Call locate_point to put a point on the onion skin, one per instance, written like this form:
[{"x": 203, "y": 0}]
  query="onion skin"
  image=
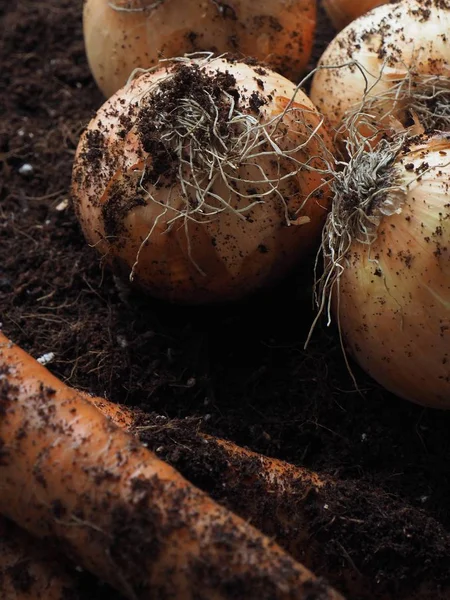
[
  {"x": 343, "y": 12},
  {"x": 279, "y": 32},
  {"x": 412, "y": 34},
  {"x": 394, "y": 314},
  {"x": 215, "y": 260}
]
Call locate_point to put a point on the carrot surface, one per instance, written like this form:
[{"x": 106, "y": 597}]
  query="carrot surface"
[
  {"x": 26, "y": 573},
  {"x": 281, "y": 500},
  {"x": 315, "y": 517},
  {"x": 70, "y": 474},
  {"x": 237, "y": 476}
]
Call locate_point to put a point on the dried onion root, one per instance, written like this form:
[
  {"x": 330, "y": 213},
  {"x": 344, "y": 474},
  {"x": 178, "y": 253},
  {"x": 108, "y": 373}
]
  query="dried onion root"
[
  {"x": 121, "y": 35},
  {"x": 387, "y": 71},
  {"x": 386, "y": 246},
  {"x": 204, "y": 180}
]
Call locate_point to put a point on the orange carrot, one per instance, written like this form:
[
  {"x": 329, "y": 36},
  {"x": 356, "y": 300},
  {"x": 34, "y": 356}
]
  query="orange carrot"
[
  {"x": 70, "y": 474},
  {"x": 318, "y": 519},
  {"x": 327, "y": 524},
  {"x": 27, "y": 574},
  {"x": 277, "y": 498}
]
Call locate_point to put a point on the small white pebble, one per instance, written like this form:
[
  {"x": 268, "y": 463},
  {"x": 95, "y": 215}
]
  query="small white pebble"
[
  {"x": 122, "y": 341},
  {"x": 325, "y": 506},
  {"x": 26, "y": 169},
  {"x": 21, "y": 133},
  {"x": 62, "y": 205},
  {"x": 78, "y": 85},
  {"x": 159, "y": 448},
  {"x": 364, "y": 437},
  {"x": 46, "y": 358}
]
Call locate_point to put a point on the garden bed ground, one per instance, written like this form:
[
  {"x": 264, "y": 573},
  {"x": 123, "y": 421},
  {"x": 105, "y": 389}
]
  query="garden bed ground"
[{"x": 235, "y": 373}]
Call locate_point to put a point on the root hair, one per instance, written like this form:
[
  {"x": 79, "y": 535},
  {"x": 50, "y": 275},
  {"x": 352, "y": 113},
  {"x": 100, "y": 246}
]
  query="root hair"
[
  {"x": 366, "y": 188},
  {"x": 414, "y": 102},
  {"x": 209, "y": 150}
]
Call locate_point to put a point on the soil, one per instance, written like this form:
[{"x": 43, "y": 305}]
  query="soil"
[{"x": 239, "y": 371}]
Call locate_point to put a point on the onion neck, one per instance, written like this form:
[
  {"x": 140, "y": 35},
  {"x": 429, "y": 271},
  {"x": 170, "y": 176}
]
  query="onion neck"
[{"x": 366, "y": 187}]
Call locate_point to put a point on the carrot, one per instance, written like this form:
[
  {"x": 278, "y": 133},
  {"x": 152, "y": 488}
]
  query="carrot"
[
  {"x": 278, "y": 497},
  {"x": 27, "y": 574},
  {"x": 68, "y": 473},
  {"x": 327, "y": 524},
  {"x": 318, "y": 519},
  {"x": 29, "y": 571}
]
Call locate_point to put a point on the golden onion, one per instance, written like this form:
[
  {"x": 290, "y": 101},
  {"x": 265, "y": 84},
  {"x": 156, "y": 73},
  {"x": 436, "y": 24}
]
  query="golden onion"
[
  {"x": 387, "y": 249},
  {"x": 122, "y": 35},
  {"x": 343, "y": 12},
  {"x": 203, "y": 180},
  {"x": 388, "y": 70}
]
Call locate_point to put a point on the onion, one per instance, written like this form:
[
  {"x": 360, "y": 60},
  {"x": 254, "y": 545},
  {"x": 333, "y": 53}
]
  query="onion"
[
  {"x": 343, "y": 12},
  {"x": 395, "y": 75},
  {"x": 203, "y": 180},
  {"x": 121, "y": 35},
  {"x": 387, "y": 252}
]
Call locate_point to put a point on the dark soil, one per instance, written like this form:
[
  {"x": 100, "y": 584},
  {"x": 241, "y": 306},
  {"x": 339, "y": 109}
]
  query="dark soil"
[{"x": 238, "y": 371}]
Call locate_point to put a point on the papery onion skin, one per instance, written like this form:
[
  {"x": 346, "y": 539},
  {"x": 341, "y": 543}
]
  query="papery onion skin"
[
  {"x": 227, "y": 257},
  {"x": 389, "y": 42},
  {"x": 343, "y": 12},
  {"x": 279, "y": 32},
  {"x": 393, "y": 305}
]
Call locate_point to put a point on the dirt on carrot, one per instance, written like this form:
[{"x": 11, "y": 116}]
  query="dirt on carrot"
[
  {"x": 73, "y": 477},
  {"x": 326, "y": 523},
  {"x": 27, "y": 572},
  {"x": 240, "y": 370}
]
